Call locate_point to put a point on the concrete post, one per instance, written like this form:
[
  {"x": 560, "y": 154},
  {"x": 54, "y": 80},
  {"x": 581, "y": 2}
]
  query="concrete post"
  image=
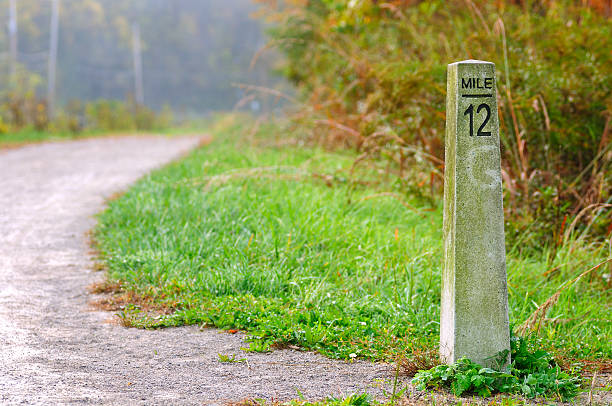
[{"x": 474, "y": 308}]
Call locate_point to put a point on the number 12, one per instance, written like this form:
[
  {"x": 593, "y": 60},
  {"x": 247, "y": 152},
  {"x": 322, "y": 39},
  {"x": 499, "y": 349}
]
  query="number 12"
[{"x": 470, "y": 111}]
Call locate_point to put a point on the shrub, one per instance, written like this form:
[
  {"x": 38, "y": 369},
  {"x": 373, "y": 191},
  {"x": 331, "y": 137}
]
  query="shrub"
[
  {"x": 373, "y": 78},
  {"x": 22, "y": 107}
]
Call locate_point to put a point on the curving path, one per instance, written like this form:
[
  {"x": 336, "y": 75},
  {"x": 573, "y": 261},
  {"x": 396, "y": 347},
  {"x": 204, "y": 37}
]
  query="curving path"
[{"x": 56, "y": 349}]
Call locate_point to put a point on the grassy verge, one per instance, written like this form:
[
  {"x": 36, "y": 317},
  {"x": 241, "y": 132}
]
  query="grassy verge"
[
  {"x": 25, "y": 137},
  {"x": 19, "y": 138},
  {"x": 282, "y": 243}
]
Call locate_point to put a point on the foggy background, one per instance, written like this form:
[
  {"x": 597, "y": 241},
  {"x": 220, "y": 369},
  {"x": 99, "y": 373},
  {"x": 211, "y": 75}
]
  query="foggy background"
[{"x": 191, "y": 51}]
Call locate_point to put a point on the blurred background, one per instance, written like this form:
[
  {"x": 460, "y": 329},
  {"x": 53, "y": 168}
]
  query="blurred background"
[
  {"x": 364, "y": 75},
  {"x": 60, "y": 58}
]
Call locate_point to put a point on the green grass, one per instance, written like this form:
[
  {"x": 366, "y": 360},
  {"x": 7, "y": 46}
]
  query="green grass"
[
  {"x": 256, "y": 238},
  {"x": 358, "y": 399},
  {"x": 30, "y": 136},
  {"x": 363, "y": 399}
]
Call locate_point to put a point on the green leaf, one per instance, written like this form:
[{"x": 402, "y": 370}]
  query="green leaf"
[
  {"x": 484, "y": 391},
  {"x": 477, "y": 380},
  {"x": 461, "y": 385}
]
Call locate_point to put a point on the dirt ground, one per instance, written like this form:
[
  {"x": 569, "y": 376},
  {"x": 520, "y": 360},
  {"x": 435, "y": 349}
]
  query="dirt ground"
[{"x": 55, "y": 348}]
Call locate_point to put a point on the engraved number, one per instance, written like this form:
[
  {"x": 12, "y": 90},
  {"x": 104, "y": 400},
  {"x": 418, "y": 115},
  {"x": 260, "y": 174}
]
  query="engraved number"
[{"x": 470, "y": 111}]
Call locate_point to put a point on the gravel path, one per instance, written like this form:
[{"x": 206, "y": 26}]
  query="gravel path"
[{"x": 56, "y": 349}]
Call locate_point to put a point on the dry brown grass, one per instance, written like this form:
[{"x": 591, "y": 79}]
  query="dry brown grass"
[
  {"x": 115, "y": 297},
  {"x": 420, "y": 359}
]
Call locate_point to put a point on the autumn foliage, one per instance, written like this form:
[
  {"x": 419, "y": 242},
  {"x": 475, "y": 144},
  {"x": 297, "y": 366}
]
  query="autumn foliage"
[{"x": 372, "y": 76}]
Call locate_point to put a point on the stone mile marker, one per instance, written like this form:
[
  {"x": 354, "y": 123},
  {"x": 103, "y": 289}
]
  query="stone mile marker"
[{"x": 474, "y": 308}]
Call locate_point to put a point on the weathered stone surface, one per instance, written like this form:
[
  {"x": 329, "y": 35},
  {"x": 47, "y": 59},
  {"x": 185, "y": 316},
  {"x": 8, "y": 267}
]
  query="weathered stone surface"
[{"x": 474, "y": 313}]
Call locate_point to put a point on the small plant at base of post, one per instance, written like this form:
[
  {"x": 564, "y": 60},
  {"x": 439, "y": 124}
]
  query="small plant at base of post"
[{"x": 531, "y": 374}]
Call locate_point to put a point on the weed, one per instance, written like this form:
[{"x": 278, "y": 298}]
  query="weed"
[
  {"x": 532, "y": 373},
  {"x": 231, "y": 358},
  {"x": 256, "y": 345}
]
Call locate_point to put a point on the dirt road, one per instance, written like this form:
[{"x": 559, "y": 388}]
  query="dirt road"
[{"x": 56, "y": 349}]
